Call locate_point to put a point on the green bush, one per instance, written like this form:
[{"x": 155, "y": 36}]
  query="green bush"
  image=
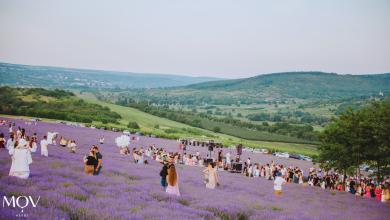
[
  {"x": 216, "y": 129},
  {"x": 133, "y": 125}
]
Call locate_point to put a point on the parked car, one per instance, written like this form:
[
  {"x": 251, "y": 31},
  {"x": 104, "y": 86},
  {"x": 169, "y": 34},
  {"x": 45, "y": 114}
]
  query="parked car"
[
  {"x": 233, "y": 147},
  {"x": 102, "y": 128},
  {"x": 308, "y": 158},
  {"x": 69, "y": 123},
  {"x": 20, "y": 118},
  {"x": 38, "y": 119},
  {"x": 264, "y": 151},
  {"x": 93, "y": 127},
  {"x": 126, "y": 132},
  {"x": 114, "y": 129},
  {"x": 76, "y": 124},
  {"x": 301, "y": 157},
  {"x": 248, "y": 149},
  {"x": 294, "y": 156},
  {"x": 285, "y": 155},
  {"x": 372, "y": 170},
  {"x": 32, "y": 119},
  {"x": 363, "y": 167},
  {"x": 153, "y": 136},
  {"x": 58, "y": 122},
  {"x": 257, "y": 151},
  {"x": 82, "y": 125}
]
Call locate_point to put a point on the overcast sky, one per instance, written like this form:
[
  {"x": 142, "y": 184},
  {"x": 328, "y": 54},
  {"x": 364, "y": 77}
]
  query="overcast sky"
[{"x": 219, "y": 38}]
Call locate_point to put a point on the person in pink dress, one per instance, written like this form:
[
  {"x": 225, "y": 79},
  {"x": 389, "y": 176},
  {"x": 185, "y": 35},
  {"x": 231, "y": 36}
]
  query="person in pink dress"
[
  {"x": 173, "y": 181},
  {"x": 368, "y": 194},
  {"x": 378, "y": 193}
]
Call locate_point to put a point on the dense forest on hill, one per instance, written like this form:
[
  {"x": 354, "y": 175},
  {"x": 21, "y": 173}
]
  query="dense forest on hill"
[
  {"x": 304, "y": 84},
  {"x": 53, "y": 104}
]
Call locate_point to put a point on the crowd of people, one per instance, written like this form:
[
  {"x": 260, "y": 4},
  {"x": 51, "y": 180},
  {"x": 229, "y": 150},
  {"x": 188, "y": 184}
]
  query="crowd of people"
[
  {"x": 281, "y": 174},
  {"x": 21, "y": 148}
]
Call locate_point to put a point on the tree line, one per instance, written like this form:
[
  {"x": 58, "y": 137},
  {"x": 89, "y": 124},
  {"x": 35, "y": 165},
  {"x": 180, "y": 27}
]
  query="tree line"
[{"x": 356, "y": 138}]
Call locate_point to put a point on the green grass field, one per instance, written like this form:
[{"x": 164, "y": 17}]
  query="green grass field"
[{"x": 147, "y": 120}]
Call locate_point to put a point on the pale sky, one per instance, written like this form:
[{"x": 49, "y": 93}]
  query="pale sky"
[{"x": 219, "y": 38}]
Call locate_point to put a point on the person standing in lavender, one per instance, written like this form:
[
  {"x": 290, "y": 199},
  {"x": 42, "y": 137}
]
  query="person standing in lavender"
[
  {"x": 164, "y": 171},
  {"x": 278, "y": 183},
  {"x": 44, "y": 146},
  {"x": 98, "y": 164}
]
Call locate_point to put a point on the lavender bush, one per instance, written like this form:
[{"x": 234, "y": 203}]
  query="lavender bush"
[{"x": 125, "y": 190}]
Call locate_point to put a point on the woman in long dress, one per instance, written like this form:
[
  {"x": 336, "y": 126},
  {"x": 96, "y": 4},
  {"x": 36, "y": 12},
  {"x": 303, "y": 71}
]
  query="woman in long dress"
[
  {"x": 300, "y": 177},
  {"x": 141, "y": 158},
  {"x": 21, "y": 158},
  {"x": 173, "y": 181},
  {"x": 11, "y": 142},
  {"x": 256, "y": 171},
  {"x": 211, "y": 176},
  {"x": 267, "y": 170}
]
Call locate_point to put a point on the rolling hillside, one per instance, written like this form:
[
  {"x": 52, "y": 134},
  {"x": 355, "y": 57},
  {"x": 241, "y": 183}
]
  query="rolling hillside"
[
  {"x": 59, "y": 77},
  {"x": 304, "y": 84}
]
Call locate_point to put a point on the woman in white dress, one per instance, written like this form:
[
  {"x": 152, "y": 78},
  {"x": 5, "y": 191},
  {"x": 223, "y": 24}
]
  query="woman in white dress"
[
  {"x": 300, "y": 179},
  {"x": 211, "y": 176},
  {"x": 21, "y": 158},
  {"x": 176, "y": 158},
  {"x": 256, "y": 171},
  {"x": 250, "y": 171},
  {"x": 10, "y": 142}
]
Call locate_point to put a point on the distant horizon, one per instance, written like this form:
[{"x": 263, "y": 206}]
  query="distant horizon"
[
  {"x": 189, "y": 76},
  {"x": 212, "y": 38}
]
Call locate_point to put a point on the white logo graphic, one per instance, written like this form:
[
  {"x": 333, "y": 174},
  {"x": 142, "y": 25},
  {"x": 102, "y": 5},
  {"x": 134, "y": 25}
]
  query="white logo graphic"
[{"x": 19, "y": 202}]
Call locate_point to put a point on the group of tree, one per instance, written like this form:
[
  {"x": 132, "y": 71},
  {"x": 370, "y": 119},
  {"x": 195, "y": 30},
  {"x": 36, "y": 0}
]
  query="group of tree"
[
  {"x": 61, "y": 108},
  {"x": 281, "y": 128},
  {"x": 356, "y": 138}
]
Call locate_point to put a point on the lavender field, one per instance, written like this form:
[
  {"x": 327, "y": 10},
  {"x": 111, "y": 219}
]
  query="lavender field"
[{"x": 125, "y": 190}]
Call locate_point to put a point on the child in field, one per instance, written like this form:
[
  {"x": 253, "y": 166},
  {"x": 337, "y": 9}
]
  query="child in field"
[
  {"x": 73, "y": 147},
  {"x": 55, "y": 140}
]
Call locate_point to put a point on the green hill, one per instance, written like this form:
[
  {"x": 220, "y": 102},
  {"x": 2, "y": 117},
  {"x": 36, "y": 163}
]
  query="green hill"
[{"x": 304, "y": 84}]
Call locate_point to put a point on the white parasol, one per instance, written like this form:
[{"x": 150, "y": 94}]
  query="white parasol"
[{"x": 123, "y": 141}]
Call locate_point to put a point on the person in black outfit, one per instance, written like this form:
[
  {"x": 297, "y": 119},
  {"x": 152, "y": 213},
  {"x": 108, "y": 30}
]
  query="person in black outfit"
[
  {"x": 90, "y": 162},
  {"x": 352, "y": 187},
  {"x": 290, "y": 176},
  {"x": 316, "y": 180},
  {"x": 328, "y": 181},
  {"x": 220, "y": 156},
  {"x": 164, "y": 172}
]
